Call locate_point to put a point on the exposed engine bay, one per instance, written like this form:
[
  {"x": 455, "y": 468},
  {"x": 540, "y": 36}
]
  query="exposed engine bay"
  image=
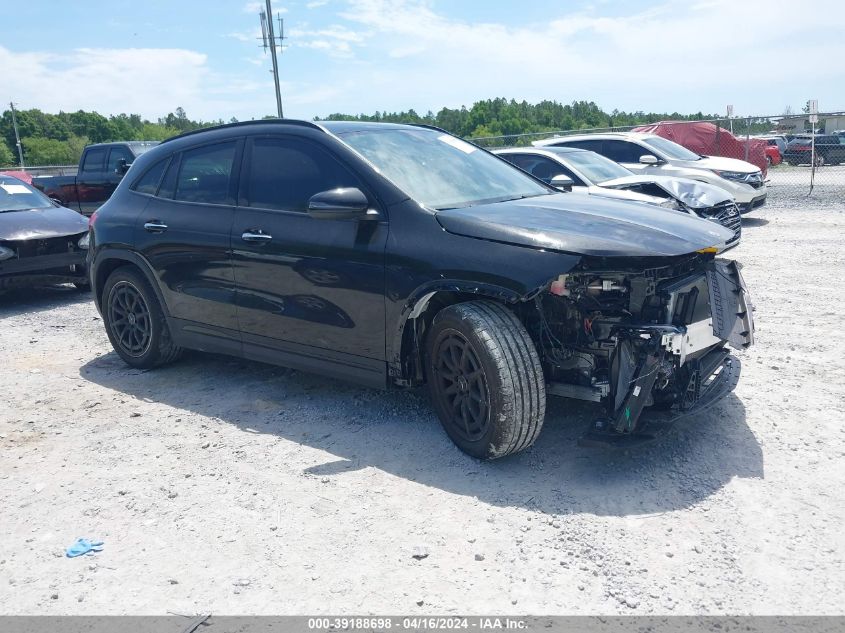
[{"x": 631, "y": 338}]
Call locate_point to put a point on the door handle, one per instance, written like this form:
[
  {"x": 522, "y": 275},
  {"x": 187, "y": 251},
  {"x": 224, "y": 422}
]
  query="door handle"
[
  {"x": 256, "y": 236},
  {"x": 155, "y": 226}
]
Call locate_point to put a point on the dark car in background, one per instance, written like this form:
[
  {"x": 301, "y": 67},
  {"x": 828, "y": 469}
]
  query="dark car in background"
[
  {"x": 40, "y": 241},
  {"x": 101, "y": 168},
  {"x": 396, "y": 255},
  {"x": 829, "y": 150}
]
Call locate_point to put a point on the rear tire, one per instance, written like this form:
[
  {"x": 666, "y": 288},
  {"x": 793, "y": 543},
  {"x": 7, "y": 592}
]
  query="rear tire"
[
  {"x": 135, "y": 322},
  {"x": 485, "y": 379}
]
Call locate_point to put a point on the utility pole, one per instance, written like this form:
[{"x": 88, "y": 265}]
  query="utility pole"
[
  {"x": 18, "y": 136},
  {"x": 269, "y": 39}
]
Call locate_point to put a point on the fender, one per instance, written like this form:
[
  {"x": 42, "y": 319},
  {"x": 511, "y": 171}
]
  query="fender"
[
  {"x": 419, "y": 300},
  {"x": 105, "y": 254}
]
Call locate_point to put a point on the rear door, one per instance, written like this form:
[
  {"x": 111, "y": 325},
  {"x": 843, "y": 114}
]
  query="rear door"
[
  {"x": 184, "y": 232},
  {"x": 306, "y": 286}
]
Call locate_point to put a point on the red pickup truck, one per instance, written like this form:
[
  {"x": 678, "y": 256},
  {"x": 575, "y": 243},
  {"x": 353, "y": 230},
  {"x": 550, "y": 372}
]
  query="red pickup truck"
[{"x": 101, "y": 168}]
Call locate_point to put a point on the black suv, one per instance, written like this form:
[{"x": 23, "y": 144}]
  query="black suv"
[{"x": 396, "y": 255}]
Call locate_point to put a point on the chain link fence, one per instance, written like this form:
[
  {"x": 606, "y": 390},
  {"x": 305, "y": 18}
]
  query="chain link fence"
[{"x": 800, "y": 158}]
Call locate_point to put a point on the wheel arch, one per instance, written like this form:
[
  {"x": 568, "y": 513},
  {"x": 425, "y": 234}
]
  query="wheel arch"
[
  {"x": 406, "y": 342},
  {"x": 108, "y": 260}
]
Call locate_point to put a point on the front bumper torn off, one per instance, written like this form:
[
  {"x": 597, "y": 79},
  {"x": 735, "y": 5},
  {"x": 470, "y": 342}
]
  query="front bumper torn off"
[{"x": 716, "y": 382}]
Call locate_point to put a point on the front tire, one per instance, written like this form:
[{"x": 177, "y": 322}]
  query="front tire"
[
  {"x": 135, "y": 322},
  {"x": 485, "y": 379}
]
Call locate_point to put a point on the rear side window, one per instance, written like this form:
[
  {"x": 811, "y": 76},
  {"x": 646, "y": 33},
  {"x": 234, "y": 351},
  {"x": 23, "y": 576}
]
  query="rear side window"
[
  {"x": 94, "y": 160},
  {"x": 204, "y": 174},
  {"x": 148, "y": 183},
  {"x": 285, "y": 172}
]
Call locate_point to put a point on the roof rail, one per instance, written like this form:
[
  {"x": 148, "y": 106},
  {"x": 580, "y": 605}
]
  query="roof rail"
[{"x": 225, "y": 126}]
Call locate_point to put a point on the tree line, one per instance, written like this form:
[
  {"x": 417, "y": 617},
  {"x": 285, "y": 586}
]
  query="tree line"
[
  {"x": 503, "y": 117},
  {"x": 58, "y": 139}
]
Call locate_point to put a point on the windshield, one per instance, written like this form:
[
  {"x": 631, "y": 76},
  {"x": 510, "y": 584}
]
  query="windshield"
[
  {"x": 671, "y": 149},
  {"x": 439, "y": 170},
  {"x": 595, "y": 167},
  {"x": 16, "y": 195}
]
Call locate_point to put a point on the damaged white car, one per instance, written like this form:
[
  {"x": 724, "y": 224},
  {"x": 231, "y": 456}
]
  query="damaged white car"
[{"x": 583, "y": 171}]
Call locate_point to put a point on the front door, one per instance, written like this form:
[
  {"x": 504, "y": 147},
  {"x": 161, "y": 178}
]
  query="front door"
[
  {"x": 304, "y": 285},
  {"x": 184, "y": 233}
]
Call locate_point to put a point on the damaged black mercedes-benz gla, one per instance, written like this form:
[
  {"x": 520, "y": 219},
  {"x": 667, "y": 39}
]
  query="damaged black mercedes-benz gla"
[{"x": 396, "y": 255}]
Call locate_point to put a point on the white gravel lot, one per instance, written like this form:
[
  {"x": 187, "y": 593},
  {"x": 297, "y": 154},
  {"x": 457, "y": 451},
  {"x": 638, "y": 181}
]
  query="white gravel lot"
[{"x": 232, "y": 487}]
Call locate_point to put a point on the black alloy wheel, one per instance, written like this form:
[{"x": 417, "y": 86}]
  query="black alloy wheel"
[
  {"x": 485, "y": 379},
  {"x": 135, "y": 322},
  {"x": 462, "y": 388},
  {"x": 129, "y": 319}
]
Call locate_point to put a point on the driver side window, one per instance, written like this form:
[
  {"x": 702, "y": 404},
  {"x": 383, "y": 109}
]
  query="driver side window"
[
  {"x": 541, "y": 167},
  {"x": 623, "y": 151},
  {"x": 284, "y": 173}
]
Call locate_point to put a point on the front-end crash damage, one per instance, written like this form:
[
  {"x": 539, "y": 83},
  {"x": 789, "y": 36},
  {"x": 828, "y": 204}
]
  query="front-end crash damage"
[{"x": 631, "y": 335}]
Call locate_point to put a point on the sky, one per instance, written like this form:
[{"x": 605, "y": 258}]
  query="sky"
[{"x": 360, "y": 56}]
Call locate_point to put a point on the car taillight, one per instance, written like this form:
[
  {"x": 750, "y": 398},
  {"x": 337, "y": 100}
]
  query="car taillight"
[{"x": 91, "y": 220}]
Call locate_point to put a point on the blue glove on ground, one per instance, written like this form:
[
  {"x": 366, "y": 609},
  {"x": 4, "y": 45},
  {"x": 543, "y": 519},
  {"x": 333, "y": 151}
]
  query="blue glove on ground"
[{"x": 83, "y": 546}]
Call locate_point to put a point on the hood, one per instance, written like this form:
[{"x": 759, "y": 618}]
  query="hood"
[
  {"x": 721, "y": 163},
  {"x": 693, "y": 193},
  {"x": 41, "y": 223},
  {"x": 586, "y": 225}
]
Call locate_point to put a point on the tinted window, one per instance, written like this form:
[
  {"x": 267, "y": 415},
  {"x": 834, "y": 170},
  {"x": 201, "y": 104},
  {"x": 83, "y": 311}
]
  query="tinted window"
[
  {"x": 593, "y": 146},
  {"x": 540, "y": 167},
  {"x": 623, "y": 152},
  {"x": 204, "y": 174},
  {"x": 116, "y": 155},
  {"x": 148, "y": 183},
  {"x": 94, "y": 160},
  {"x": 284, "y": 173}
]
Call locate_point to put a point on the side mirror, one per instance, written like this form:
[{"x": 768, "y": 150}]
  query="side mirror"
[
  {"x": 123, "y": 166},
  {"x": 562, "y": 182},
  {"x": 57, "y": 202},
  {"x": 338, "y": 204},
  {"x": 648, "y": 159}
]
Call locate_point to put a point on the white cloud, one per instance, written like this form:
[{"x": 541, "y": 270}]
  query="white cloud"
[
  {"x": 336, "y": 40},
  {"x": 129, "y": 80},
  {"x": 665, "y": 57},
  {"x": 316, "y": 4}
]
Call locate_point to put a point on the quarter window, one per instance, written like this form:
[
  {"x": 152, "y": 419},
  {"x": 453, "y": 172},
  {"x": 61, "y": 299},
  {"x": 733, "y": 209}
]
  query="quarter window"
[
  {"x": 94, "y": 160},
  {"x": 204, "y": 174},
  {"x": 284, "y": 173}
]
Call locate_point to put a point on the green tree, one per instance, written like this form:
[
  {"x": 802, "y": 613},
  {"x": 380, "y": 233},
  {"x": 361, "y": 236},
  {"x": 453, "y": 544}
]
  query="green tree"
[
  {"x": 7, "y": 156},
  {"x": 47, "y": 151}
]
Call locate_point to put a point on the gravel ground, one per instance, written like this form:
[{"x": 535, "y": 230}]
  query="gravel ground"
[{"x": 233, "y": 487}]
